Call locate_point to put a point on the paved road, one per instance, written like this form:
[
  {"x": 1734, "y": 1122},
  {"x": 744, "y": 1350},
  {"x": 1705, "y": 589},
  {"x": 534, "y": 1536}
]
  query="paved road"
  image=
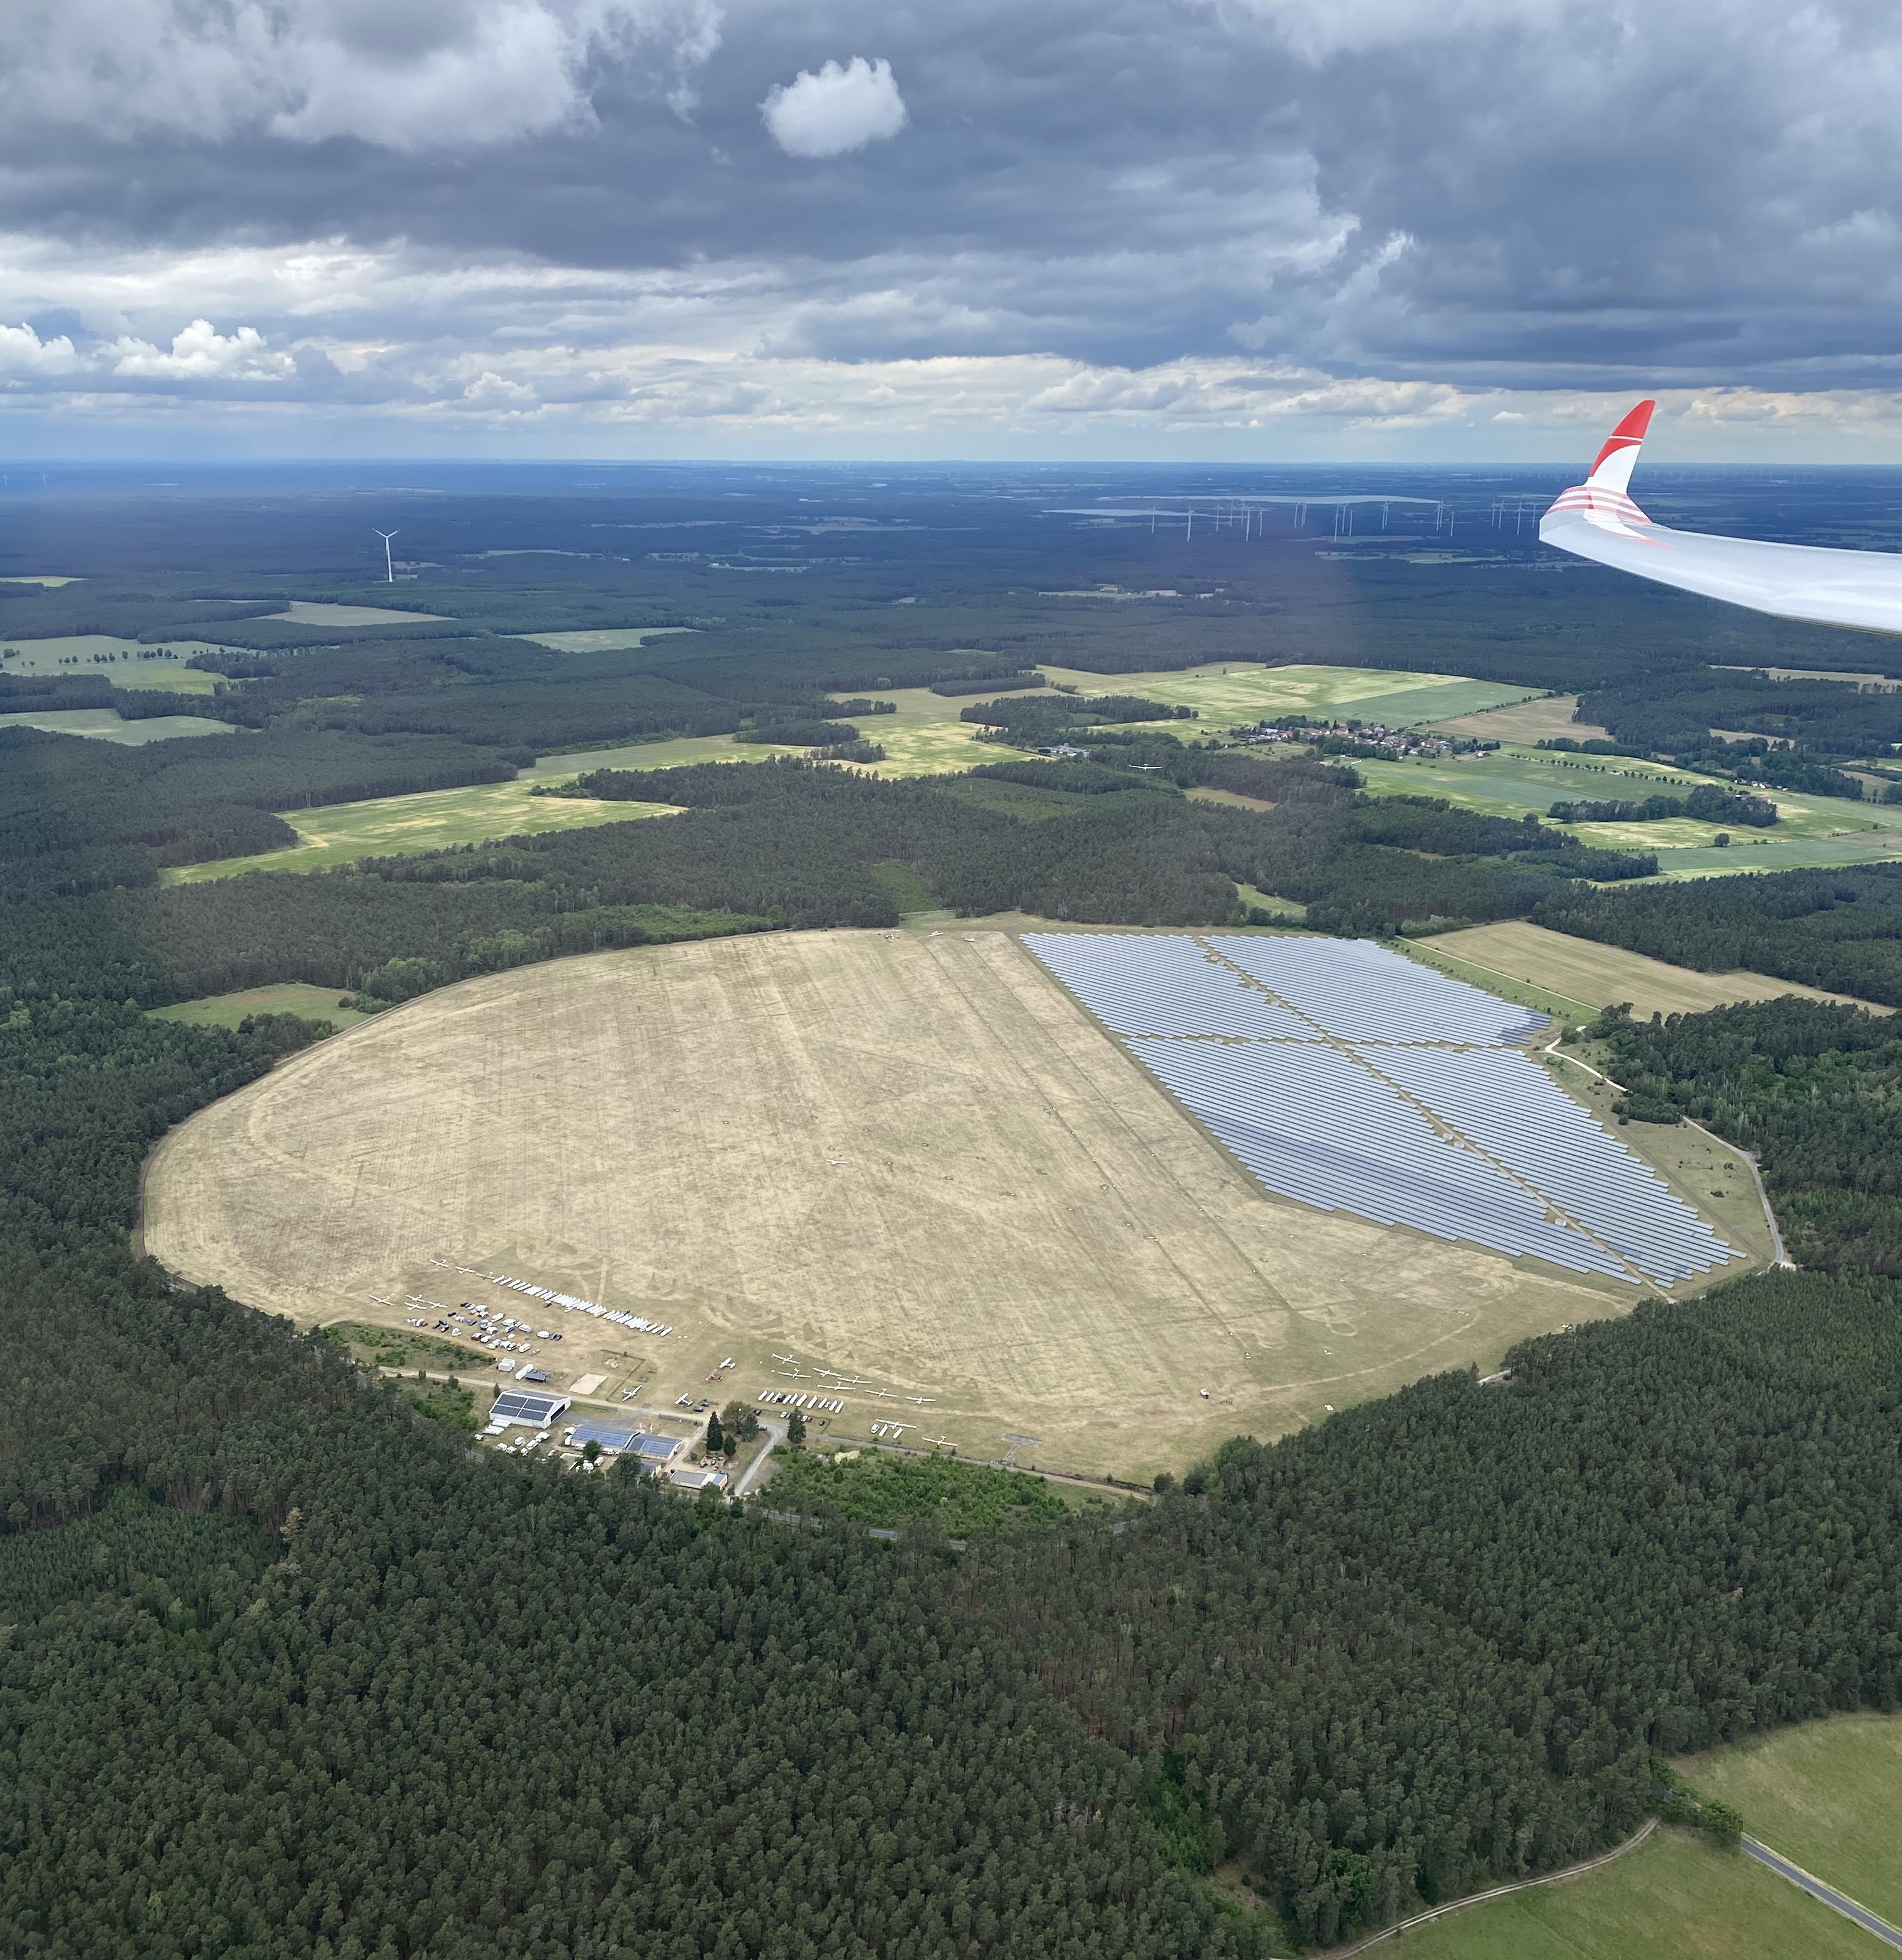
[{"x": 1831, "y": 1897}]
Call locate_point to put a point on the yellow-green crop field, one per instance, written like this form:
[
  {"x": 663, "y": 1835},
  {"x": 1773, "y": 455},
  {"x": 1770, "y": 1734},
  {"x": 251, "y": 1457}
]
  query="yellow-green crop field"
[
  {"x": 430, "y": 820},
  {"x": 1580, "y": 975},
  {"x": 1226, "y": 693}
]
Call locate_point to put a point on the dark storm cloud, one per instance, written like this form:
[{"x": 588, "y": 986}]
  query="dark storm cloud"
[{"x": 1491, "y": 193}]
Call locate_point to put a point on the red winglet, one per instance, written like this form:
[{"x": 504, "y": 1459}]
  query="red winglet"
[{"x": 1626, "y": 435}]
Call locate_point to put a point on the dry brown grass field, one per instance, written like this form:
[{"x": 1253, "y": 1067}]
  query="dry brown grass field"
[
  {"x": 1548, "y": 719},
  {"x": 1593, "y": 975},
  {"x": 908, "y": 1157}
]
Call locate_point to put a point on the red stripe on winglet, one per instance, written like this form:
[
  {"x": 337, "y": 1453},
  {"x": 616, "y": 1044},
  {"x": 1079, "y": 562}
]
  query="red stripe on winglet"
[{"x": 1631, "y": 430}]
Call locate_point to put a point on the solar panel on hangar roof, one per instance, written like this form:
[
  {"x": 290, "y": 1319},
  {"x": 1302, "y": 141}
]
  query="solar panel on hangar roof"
[
  {"x": 514, "y": 1405},
  {"x": 607, "y": 1434}
]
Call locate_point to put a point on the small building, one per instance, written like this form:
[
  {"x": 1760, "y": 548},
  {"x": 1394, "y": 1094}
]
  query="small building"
[
  {"x": 525, "y": 1408},
  {"x": 687, "y": 1478}
]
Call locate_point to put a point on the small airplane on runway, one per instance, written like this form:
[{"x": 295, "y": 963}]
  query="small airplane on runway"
[{"x": 1597, "y": 519}]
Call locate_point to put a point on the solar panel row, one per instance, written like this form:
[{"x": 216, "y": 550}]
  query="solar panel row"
[{"x": 1338, "y": 1085}]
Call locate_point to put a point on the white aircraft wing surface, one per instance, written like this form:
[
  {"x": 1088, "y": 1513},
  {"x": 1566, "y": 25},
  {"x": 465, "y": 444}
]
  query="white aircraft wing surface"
[{"x": 1597, "y": 519}]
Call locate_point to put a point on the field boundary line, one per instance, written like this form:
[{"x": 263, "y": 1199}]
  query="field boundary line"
[{"x": 1558, "y": 1878}]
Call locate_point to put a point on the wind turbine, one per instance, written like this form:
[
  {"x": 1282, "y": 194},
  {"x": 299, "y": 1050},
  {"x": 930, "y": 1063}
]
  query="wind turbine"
[{"x": 389, "y": 564}]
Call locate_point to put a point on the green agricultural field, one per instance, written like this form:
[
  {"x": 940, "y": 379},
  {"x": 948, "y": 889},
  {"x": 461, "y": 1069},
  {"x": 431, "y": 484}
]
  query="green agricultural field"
[
  {"x": 1675, "y": 1898},
  {"x": 1516, "y": 780},
  {"x": 1827, "y": 1795},
  {"x": 226, "y": 1010},
  {"x": 133, "y": 664},
  {"x": 105, "y": 724},
  {"x": 430, "y": 820},
  {"x": 1227, "y": 692}
]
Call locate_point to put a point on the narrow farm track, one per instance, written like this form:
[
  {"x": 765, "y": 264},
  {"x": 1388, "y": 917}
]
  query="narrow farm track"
[{"x": 1558, "y": 1878}]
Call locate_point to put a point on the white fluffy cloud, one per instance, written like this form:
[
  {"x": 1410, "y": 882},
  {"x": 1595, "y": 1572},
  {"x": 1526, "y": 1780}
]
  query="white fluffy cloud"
[
  {"x": 200, "y": 353},
  {"x": 836, "y": 110},
  {"x": 416, "y": 75},
  {"x": 23, "y": 352}
]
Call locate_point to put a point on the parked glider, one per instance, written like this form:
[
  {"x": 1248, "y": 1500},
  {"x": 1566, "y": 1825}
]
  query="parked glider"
[{"x": 1597, "y": 519}]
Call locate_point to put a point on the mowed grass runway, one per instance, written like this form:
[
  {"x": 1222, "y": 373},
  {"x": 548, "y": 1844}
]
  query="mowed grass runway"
[{"x": 907, "y": 1155}]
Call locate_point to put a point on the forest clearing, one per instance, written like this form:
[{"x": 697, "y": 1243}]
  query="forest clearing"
[{"x": 909, "y": 1156}]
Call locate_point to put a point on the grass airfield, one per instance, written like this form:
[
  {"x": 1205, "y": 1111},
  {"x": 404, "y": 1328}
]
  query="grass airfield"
[{"x": 907, "y": 1156}]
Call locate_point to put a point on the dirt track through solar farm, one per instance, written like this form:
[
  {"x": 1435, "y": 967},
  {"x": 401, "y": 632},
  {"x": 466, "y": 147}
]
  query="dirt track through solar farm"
[{"x": 907, "y": 1155}]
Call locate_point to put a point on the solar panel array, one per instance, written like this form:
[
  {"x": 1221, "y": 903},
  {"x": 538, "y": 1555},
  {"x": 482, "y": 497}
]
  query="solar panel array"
[
  {"x": 1346, "y": 1076},
  {"x": 516, "y": 1405},
  {"x": 607, "y": 1434}
]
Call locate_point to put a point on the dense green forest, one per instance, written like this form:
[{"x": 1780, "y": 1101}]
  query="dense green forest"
[
  {"x": 1813, "y": 1090},
  {"x": 1839, "y": 929}
]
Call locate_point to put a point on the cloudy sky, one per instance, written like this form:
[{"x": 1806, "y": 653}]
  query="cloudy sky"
[{"x": 1281, "y": 229}]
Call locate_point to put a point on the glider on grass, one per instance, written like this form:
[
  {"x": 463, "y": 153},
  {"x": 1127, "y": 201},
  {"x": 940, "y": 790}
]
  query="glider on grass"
[{"x": 1597, "y": 519}]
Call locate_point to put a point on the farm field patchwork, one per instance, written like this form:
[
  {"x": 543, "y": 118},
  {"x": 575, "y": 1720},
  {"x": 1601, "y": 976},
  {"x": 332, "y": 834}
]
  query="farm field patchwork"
[
  {"x": 428, "y": 820},
  {"x": 1827, "y": 1794},
  {"x": 1588, "y": 975},
  {"x": 1677, "y": 1896},
  {"x": 907, "y": 1156},
  {"x": 1514, "y": 781},
  {"x": 1225, "y": 693}
]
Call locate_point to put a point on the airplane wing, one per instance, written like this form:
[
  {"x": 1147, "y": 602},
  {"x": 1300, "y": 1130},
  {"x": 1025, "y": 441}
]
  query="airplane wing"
[{"x": 1597, "y": 519}]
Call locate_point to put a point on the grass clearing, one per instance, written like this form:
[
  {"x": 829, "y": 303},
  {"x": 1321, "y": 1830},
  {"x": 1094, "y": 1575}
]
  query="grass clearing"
[
  {"x": 106, "y": 724},
  {"x": 1676, "y": 1898},
  {"x": 327, "y": 612},
  {"x": 905, "y": 1155},
  {"x": 1588, "y": 975},
  {"x": 226, "y": 1010},
  {"x": 77, "y": 657},
  {"x": 1827, "y": 1794},
  {"x": 601, "y": 639},
  {"x": 429, "y": 820}
]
